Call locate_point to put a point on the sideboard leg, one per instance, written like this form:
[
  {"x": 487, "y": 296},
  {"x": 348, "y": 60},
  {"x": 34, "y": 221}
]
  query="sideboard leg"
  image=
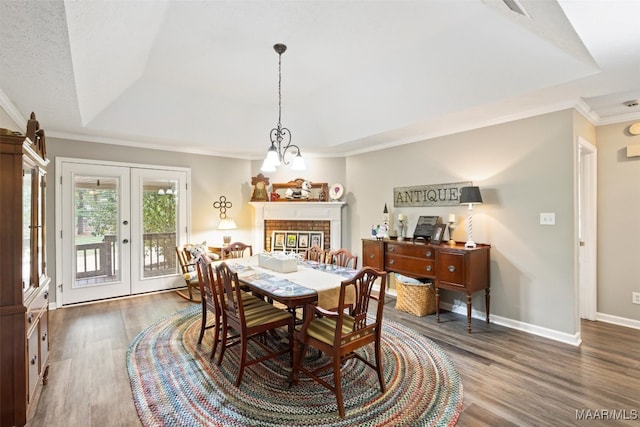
[
  {"x": 437, "y": 305},
  {"x": 487, "y": 301},
  {"x": 469, "y": 313}
]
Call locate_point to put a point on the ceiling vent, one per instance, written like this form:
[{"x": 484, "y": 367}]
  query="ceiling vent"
[{"x": 514, "y": 6}]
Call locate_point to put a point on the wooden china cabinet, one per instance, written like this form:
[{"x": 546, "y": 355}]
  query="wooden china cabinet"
[{"x": 24, "y": 285}]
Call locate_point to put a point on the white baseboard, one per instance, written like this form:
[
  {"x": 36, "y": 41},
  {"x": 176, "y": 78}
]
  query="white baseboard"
[
  {"x": 620, "y": 321},
  {"x": 516, "y": 324}
]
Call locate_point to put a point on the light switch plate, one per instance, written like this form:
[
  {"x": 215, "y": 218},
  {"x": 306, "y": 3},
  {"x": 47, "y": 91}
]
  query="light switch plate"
[{"x": 548, "y": 218}]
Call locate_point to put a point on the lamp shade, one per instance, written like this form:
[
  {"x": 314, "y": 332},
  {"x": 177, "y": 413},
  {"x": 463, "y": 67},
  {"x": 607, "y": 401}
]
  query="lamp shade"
[
  {"x": 227, "y": 224},
  {"x": 470, "y": 195}
]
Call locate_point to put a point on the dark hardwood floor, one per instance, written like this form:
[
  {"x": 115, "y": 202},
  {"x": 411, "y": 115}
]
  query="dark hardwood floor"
[{"x": 510, "y": 378}]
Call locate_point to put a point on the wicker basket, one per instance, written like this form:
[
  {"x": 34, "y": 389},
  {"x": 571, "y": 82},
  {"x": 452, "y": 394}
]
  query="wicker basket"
[{"x": 416, "y": 298}]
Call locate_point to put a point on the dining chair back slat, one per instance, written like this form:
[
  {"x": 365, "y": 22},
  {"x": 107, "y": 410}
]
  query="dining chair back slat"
[
  {"x": 338, "y": 333},
  {"x": 315, "y": 253},
  {"x": 236, "y": 250},
  {"x": 343, "y": 258},
  {"x": 249, "y": 320}
]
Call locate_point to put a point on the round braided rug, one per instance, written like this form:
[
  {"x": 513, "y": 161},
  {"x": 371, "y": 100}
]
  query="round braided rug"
[{"x": 175, "y": 384}]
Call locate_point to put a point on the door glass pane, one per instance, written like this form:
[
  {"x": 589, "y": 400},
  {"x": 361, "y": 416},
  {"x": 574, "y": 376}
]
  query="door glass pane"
[
  {"x": 96, "y": 202},
  {"x": 41, "y": 267},
  {"x": 159, "y": 225},
  {"x": 27, "y": 190}
]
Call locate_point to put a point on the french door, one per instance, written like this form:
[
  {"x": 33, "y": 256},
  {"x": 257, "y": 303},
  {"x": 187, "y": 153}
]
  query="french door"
[{"x": 118, "y": 228}]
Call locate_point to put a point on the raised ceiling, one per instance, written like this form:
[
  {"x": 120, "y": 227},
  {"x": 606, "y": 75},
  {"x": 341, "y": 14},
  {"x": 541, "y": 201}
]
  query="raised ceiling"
[{"x": 201, "y": 76}]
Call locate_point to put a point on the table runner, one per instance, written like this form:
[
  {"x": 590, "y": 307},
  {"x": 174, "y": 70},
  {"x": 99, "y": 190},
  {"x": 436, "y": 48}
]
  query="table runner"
[{"x": 325, "y": 279}]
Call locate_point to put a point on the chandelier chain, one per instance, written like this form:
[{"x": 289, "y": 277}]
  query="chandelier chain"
[{"x": 281, "y": 137}]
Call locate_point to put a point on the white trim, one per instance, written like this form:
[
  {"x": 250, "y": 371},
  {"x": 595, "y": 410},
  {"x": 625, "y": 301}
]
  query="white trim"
[
  {"x": 620, "y": 321},
  {"x": 11, "y": 109},
  {"x": 59, "y": 160},
  {"x": 551, "y": 334},
  {"x": 58, "y": 205},
  {"x": 586, "y": 256}
]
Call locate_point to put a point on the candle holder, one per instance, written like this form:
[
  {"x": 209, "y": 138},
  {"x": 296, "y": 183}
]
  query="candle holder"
[
  {"x": 452, "y": 226},
  {"x": 402, "y": 226}
]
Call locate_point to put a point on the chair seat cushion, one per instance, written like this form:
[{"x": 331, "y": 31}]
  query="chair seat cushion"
[
  {"x": 324, "y": 329},
  {"x": 263, "y": 312}
]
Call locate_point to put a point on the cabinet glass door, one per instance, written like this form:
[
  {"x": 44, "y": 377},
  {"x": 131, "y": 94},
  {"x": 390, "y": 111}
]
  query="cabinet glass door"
[
  {"x": 28, "y": 174},
  {"x": 41, "y": 267}
]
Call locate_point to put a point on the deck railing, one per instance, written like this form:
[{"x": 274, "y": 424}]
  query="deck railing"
[{"x": 100, "y": 259}]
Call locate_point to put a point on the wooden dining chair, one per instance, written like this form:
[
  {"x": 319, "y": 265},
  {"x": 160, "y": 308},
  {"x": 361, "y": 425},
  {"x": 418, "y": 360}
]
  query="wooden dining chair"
[
  {"x": 338, "y": 333},
  {"x": 236, "y": 250},
  {"x": 190, "y": 275},
  {"x": 213, "y": 301},
  {"x": 315, "y": 253},
  {"x": 343, "y": 258},
  {"x": 249, "y": 321}
]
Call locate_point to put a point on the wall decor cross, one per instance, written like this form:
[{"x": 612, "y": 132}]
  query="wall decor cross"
[{"x": 223, "y": 205}]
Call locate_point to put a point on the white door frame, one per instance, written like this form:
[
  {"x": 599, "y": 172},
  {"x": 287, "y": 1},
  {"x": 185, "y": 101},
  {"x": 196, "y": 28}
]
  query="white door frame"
[
  {"x": 183, "y": 230},
  {"x": 587, "y": 229}
]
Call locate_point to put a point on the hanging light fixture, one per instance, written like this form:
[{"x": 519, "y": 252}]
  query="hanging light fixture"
[{"x": 281, "y": 136}]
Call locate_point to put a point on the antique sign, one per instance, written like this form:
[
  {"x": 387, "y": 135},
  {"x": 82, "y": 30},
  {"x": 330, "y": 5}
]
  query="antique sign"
[{"x": 429, "y": 195}]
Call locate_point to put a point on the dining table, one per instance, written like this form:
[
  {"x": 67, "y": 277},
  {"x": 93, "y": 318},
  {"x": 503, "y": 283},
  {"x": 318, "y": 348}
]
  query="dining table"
[{"x": 311, "y": 282}]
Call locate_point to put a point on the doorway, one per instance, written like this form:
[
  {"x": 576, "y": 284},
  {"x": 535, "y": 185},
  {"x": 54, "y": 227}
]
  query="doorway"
[
  {"x": 587, "y": 229},
  {"x": 119, "y": 225}
]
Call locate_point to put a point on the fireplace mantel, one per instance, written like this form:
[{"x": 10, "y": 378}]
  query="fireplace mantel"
[{"x": 327, "y": 211}]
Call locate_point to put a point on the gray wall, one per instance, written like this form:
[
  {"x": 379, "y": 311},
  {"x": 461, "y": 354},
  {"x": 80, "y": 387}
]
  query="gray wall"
[
  {"x": 618, "y": 230},
  {"x": 523, "y": 168}
]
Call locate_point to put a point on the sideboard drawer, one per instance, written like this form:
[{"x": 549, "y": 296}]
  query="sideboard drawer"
[
  {"x": 413, "y": 266},
  {"x": 418, "y": 251}
]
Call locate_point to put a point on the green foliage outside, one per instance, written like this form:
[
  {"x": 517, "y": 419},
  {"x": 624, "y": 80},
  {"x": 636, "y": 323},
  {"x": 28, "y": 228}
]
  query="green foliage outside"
[
  {"x": 159, "y": 212},
  {"x": 98, "y": 210}
]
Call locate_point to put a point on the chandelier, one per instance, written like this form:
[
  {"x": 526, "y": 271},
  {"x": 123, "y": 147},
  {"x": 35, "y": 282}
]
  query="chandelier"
[{"x": 281, "y": 136}]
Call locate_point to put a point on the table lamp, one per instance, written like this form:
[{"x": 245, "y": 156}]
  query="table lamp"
[
  {"x": 470, "y": 196},
  {"x": 227, "y": 224}
]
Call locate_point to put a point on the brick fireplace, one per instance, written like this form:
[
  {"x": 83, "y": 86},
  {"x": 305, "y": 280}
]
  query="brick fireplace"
[{"x": 300, "y": 216}]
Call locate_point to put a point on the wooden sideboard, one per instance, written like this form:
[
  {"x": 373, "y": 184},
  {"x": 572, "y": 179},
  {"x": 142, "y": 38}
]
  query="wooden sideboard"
[{"x": 451, "y": 266}]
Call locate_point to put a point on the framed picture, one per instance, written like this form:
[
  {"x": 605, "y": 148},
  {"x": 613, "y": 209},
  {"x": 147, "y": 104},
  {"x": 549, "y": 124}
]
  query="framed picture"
[
  {"x": 278, "y": 240},
  {"x": 292, "y": 240},
  {"x": 424, "y": 227},
  {"x": 438, "y": 233},
  {"x": 303, "y": 240},
  {"x": 316, "y": 240}
]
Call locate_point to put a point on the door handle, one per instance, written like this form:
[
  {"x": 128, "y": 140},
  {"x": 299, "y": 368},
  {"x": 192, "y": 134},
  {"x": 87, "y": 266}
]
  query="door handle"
[{"x": 125, "y": 241}]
